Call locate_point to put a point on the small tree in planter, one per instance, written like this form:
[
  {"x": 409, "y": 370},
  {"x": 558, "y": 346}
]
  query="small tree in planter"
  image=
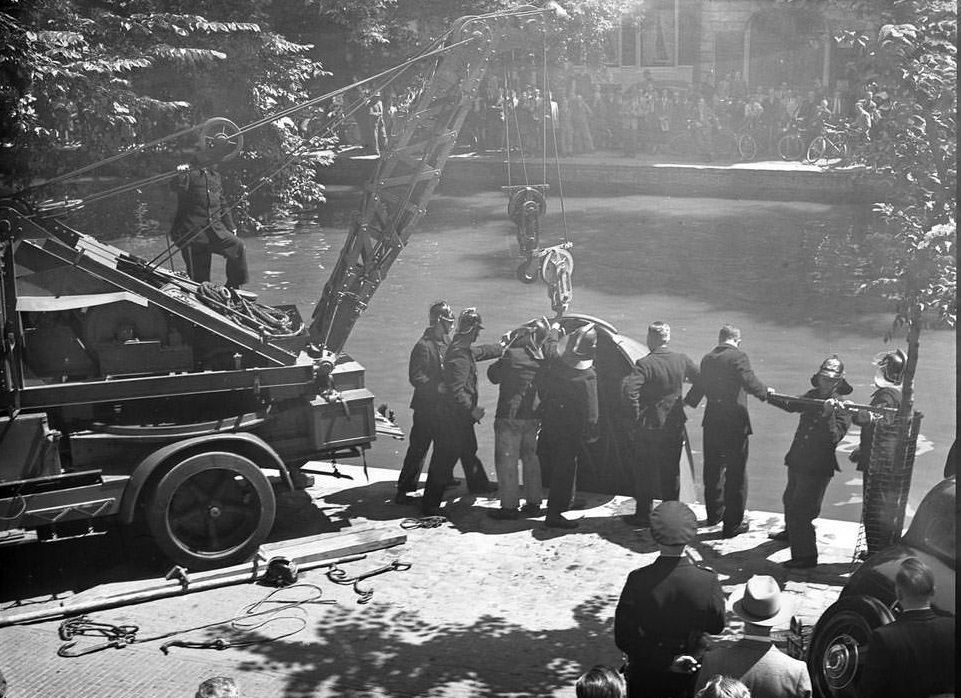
[{"x": 912, "y": 66}]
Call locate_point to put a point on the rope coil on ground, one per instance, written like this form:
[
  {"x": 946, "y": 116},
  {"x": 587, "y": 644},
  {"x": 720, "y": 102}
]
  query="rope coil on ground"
[
  {"x": 423, "y": 522},
  {"x": 253, "y": 617}
]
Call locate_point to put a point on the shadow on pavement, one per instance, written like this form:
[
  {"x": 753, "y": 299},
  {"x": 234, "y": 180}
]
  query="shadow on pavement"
[{"x": 387, "y": 652}]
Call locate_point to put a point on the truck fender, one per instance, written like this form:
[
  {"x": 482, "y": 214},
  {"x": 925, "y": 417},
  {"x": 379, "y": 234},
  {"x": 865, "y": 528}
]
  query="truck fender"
[{"x": 244, "y": 443}]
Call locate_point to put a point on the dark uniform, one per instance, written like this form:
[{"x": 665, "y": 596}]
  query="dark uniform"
[
  {"x": 203, "y": 226},
  {"x": 879, "y": 531},
  {"x": 726, "y": 378},
  {"x": 912, "y": 657},
  {"x": 652, "y": 392},
  {"x": 811, "y": 463},
  {"x": 664, "y": 611},
  {"x": 569, "y": 415},
  {"x": 425, "y": 373},
  {"x": 455, "y": 437}
]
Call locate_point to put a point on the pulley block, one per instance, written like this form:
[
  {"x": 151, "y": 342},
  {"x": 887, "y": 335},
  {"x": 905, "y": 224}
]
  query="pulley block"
[
  {"x": 525, "y": 203},
  {"x": 220, "y": 140}
]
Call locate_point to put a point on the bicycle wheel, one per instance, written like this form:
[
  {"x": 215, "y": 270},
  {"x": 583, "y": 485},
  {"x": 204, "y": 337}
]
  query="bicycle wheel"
[
  {"x": 817, "y": 150},
  {"x": 790, "y": 147},
  {"x": 747, "y": 146}
]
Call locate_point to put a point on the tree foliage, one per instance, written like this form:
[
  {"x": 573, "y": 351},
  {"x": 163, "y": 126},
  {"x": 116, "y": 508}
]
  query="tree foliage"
[
  {"x": 911, "y": 64},
  {"x": 381, "y": 33},
  {"x": 85, "y": 80}
]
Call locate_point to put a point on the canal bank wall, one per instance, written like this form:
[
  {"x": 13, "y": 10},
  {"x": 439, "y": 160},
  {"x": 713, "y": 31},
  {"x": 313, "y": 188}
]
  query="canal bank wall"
[{"x": 610, "y": 173}]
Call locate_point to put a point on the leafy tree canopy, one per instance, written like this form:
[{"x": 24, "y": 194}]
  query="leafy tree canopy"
[
  {"x": 85, "y": 80},
  {"x": 910, "y": 68}
]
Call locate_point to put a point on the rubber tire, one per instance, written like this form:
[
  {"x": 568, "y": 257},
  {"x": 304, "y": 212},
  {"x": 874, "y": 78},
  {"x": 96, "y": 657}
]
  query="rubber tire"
[
  {"x": 852, "y": 617},
  {"x": 747, "y": 147},
  {"x": 790, "y": 147},
  {"x": 243, "y": 539},
  {"x": 817, "y": 149}
]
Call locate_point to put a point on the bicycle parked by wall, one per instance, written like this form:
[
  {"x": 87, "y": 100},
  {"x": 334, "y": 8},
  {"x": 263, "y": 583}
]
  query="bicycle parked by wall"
[
  {"x": 830, "y": 146},
  {"x": 793, "y": 143}
]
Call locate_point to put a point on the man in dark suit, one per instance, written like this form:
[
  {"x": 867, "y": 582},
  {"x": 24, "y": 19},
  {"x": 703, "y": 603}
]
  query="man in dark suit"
[
  {"x": 914, "y": 656},
  {"x": 665, "y": 609},
  {"x": 725, "y": 379},
  {"x": 652, "y": 393},
  {"x": 425, "y": 372},
  {"x": 459, "y": 412}
]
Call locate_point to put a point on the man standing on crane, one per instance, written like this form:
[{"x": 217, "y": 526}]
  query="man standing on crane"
[{"x": 203, "y": 225}]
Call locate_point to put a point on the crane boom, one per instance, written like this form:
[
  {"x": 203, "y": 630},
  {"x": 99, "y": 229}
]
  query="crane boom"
[{"x": 396, "y": 196}]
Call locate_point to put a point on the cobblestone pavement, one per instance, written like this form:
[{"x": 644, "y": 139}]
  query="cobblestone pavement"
[{"x": 506, "y": 608}]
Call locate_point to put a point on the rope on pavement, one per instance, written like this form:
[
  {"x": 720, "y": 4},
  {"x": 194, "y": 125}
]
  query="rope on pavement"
[
  {"x": 253, "y": 617},
  {"x": 423, "y": 522}
]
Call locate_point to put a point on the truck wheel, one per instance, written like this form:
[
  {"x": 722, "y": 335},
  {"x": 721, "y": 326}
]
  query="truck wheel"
[
  {"x": 211, "y": 509},
  {"x": 840, "y": 642}
]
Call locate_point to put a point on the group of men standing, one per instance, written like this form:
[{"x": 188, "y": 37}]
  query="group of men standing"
[
  {"x": 667, "y": 609},
  {"x": 546, "y": 408},
  {"x": 653, "y": 392}
]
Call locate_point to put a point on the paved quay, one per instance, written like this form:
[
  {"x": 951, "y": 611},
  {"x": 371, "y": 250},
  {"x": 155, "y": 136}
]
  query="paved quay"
[
  {"x": 767, "y": 178},
  {"x": 505, "y": 608}
]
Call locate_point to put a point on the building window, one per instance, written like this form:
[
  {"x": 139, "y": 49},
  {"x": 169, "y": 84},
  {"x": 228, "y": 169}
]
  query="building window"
[
  {"x": 688, "y": 32},
  {"x": 667, "y": 34},
  {"x": 657, "y": 33},
  {"x": 628, "y": 41}
]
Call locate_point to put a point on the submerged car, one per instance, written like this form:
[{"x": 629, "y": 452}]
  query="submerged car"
[{"x": 839, "y": 643}]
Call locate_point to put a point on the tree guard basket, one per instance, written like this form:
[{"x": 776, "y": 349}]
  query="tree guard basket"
[{"x": 888, "y": 481}]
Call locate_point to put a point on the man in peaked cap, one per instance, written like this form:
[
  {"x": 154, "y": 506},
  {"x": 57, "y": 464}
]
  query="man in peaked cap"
[
  {"x": 666, "y": 608},
  {"x": 459, "y": 413},
  {"x": 754, "y": 660},
  {"x": 569, "y": 412},
  {"x": 811, "y": 461}
]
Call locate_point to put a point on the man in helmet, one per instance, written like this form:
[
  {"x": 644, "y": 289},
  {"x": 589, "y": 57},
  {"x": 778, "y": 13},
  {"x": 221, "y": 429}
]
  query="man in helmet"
[
  {"x": 425, "y": 373},
  {"x": 569, "y": 412},
  {"x": 652, "y": 393},
  {"x": 811, "y": 461},
  {"x": 455, "y": 437},
  {"x": 887, "y": 381},
  {"x": 203, "y": 226}
]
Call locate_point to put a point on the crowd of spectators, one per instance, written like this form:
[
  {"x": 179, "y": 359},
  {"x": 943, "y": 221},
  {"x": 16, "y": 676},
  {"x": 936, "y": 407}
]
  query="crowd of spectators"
[{"x": 644, "y": 117}]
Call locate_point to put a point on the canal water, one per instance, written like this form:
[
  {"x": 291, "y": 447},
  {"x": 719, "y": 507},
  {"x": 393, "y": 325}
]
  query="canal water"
[{"x": 777, "y": 270}]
